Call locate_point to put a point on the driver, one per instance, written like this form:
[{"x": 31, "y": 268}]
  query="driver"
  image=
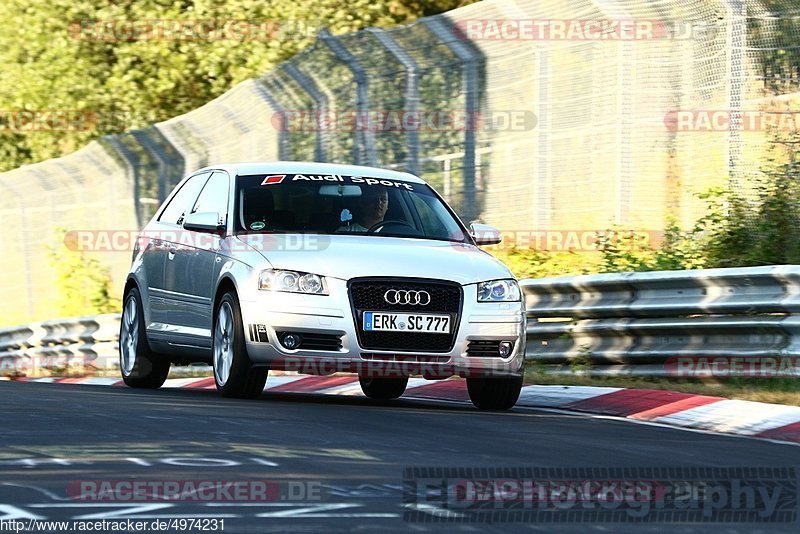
[{"x": 372, "y": 208}]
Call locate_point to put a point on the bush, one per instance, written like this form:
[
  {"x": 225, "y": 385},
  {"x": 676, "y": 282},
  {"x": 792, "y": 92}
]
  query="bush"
[
  {"x": 84, "y": 285},
  {"x": 738, "y": 230},
  {"x": 527, "y": 262}
]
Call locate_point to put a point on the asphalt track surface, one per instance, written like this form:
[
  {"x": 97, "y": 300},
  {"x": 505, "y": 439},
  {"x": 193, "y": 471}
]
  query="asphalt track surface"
[{"x": 347, "y": 454}]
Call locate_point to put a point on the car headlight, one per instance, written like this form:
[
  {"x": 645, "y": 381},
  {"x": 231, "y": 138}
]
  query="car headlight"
[
  {"x": 499, "y": 291},
  {"x": 292, "y": 282}
]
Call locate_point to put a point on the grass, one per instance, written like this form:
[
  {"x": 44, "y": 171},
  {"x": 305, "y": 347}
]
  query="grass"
[{"x": 772, "y": 390}]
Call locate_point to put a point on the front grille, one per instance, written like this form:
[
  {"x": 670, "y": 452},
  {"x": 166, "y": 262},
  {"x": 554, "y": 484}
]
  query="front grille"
[
  {"x": 483, "y": 349},
  {"x": 367, "y": 294},
  {"x": 309, "y": 341}
]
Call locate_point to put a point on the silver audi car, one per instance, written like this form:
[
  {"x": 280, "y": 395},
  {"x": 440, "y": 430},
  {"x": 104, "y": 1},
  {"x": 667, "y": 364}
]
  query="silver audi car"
[{"x": 320, "y": 269}]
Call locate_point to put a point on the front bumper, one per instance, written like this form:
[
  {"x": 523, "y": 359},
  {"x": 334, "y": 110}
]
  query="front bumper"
[{"x": 272, "y": 312}]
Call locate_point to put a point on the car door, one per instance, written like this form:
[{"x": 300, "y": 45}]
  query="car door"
[
  {"x": 189, "y": 271},
  {"x": 161, "y": 233}
]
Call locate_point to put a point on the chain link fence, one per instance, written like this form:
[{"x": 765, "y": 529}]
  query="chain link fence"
[{"x": 553, "y": 130}]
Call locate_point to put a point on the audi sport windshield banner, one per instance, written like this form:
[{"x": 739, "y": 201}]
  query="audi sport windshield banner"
[{"x": 274, "y": 179}]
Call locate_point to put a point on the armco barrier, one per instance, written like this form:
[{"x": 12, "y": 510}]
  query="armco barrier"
[
  {"x": 714, "y": 322},
  {"x": 87, "y": 341}
]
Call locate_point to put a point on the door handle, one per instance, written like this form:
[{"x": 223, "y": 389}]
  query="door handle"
[{"x": 171, "y": 252}]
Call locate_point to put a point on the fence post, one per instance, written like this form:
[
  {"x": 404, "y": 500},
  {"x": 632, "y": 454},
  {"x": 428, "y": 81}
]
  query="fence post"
[
  {"x": 273, "y": 88},
  {"x": 283, "y": 141},
  {"x": 737, "y": 40},
  {"x": 469, "y": 85},
  {"x": 133, "y": 164},
  {"x": 544, "y": 201},
  {"x": 365, "y": 139},
  {"x": 162, "y": 165},
  {"x": 320, "y": 106},
  {"x": 146, "y": 138},
  {"x": 627, "y": 76},
  {"x": 411, "y": 96}
]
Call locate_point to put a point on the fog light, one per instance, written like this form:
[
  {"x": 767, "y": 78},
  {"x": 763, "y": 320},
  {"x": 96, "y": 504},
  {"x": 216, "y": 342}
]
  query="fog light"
[
  {"x": 291, "y": 341},
  {"x": 505, "y": 348}
]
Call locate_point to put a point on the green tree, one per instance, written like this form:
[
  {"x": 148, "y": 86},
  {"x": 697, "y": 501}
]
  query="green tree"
[{"x": 67, "y": 55}]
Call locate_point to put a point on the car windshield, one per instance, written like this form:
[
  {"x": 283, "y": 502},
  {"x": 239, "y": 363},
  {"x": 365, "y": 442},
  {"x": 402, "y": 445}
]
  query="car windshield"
[{"x": 338, "y": 204}]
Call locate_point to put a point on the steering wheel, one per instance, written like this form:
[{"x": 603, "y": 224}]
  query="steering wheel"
[{"x": 382, "y": 225}]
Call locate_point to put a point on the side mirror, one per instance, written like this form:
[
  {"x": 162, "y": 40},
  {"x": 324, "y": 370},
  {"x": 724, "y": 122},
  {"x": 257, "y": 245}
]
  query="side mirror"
[
  {"x": 483, "y": 234},
  {"x": 203, "y": 221}
]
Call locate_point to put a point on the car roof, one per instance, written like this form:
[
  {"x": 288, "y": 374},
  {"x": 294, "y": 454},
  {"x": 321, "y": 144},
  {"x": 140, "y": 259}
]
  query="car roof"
[{"x": 310, "y": 167}]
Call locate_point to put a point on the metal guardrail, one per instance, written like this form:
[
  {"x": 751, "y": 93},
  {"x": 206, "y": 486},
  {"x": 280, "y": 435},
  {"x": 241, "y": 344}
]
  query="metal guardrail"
[
  {"x": 713, "y": 322},
  {"x": 89, "y": 341},
  {"x": 651, "y": 324}
]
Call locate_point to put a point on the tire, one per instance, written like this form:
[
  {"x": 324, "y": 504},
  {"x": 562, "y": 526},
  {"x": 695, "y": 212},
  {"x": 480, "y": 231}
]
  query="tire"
[
  {"x": 383, "y": 388},
  {"x": 494, "y": 393},
  {"x": 140, "y": 367},
  {"x": 234, "y": 372}
]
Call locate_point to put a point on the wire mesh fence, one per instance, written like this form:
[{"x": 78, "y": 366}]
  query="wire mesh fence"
[{"x": 532, "y": 115}]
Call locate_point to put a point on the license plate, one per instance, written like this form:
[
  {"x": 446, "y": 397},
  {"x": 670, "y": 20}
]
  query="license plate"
[{"x": 406, "y": 322}]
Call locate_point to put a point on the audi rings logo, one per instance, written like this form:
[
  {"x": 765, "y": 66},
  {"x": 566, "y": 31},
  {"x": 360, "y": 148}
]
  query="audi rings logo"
[{"x": 412, "y": 298}]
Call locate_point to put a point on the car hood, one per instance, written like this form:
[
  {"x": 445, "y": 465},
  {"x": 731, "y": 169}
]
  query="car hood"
[{"x": 349, "y": 256}]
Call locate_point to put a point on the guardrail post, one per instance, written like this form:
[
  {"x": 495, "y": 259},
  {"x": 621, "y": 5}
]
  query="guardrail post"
[{"x": 365, "y": 139}]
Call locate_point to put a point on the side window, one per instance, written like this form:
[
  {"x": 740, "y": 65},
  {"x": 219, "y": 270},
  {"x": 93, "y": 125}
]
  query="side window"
[
  {"x": 178, "y": 207},
  {"x": 214, "y": 196}
]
